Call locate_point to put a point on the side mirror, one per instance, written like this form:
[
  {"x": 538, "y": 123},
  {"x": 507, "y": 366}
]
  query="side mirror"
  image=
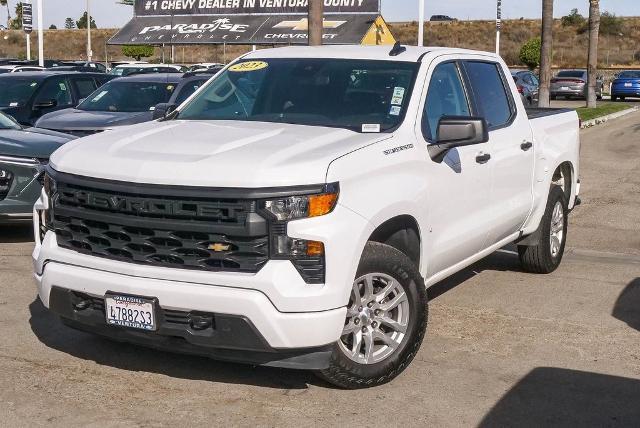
[
  {"x": 45, "y": 104},
  {"x": 457, "y": 131},
  {"x": 162, "y": 110}
]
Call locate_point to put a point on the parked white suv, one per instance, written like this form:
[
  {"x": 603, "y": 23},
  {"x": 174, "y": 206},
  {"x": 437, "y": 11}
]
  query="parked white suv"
[{"x": 295, "y": 209}]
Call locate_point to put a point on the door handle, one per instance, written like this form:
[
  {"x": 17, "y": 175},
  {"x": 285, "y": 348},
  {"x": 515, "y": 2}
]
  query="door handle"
[
  {"x": 526, "y": 145},
  {"x": 483, "y": 158}
]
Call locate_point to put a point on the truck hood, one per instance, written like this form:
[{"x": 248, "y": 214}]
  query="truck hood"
[
  {"x": 211, "y": 153},
  {"x": 74, "y": 119},
  {"x": 31, "y": 142}
]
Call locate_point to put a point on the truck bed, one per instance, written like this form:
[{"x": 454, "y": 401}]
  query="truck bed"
[{"x": 538, "y": 112}]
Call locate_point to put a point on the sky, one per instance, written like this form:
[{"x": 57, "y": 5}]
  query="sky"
[{"x": 107, "y": 13}]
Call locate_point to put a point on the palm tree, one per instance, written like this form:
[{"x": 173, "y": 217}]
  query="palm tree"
[
  {"x": 6, "y": 3},
  {"x": 545, "y": 53},
  {"x": 592, "y": 67}
]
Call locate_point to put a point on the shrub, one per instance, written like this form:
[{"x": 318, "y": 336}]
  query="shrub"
[
  {"x": 611, "y": 25},
  {"x": 530, "y": 53},
  {"x": 574, "y": 19},
  {"x": 137, "y": 51}
]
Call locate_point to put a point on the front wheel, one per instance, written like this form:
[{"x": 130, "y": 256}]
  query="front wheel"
[
  {"x": 385, "y": 324},
  {"x": 546, "y": 254}
]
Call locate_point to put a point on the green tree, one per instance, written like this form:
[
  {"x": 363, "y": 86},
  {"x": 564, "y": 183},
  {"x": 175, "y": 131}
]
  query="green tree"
[
  {"x": 530, "y": 53},
  {"x": 137, "y": 51},
  {"x": 69, "y": 24},
  {"x": 610, "y": 24},
  {"x": 574, "y": 19},
  {"x": 16, "y": 23},
  {"x": 53, "y": 27},
  {"x": 82, "y": 22}
]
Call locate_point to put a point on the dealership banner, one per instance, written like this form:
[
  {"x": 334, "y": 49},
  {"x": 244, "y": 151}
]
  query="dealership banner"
[
  {"x": 259, "y": 22},
  {"x": 218, "y": 7}
]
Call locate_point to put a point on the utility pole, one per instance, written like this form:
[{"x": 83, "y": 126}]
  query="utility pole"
[
  {"x": 316, "y": 22},
  {"x": 545, "y": 53},
  {"x": 420, "y": 23},
  {"x": 498, "y": 26},
  {"x": 592, "y": 66},
  {"x": 89, "y": 51},
  {"x": 40, "y": 35}
]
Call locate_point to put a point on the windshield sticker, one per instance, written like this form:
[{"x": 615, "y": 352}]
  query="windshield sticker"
[
  {"x": 34, "y": 84},
  {"x": 248, "y": 66},
  {"x": 170, "y": 87},
  {"x": 395, "y": 110},
  {"x": 63, "y": 87},
  {"x": 371, "y": 127},
  {"x": 99, "y": 96},
  {"x": 398, "y": 96},
  {"x": 13, "y": 104}
]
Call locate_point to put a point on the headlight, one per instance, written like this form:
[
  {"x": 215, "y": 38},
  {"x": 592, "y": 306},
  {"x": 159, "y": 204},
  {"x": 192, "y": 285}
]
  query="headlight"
[
  {"x": 306, "y": 206},
  {"x": 6, "y": 178}
]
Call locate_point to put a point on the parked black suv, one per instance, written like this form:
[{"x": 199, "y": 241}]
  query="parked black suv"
[{"x": 29, "y": 95}]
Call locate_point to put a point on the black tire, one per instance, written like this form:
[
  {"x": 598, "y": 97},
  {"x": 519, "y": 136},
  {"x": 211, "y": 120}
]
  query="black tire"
[
  {"x": 553, "y": 97},
  {"x": 346, "y": 373},
  {"x": 622, "y": 99},
  {"x": 614, "y": 98},
  {"x": 538, "y": 258}
]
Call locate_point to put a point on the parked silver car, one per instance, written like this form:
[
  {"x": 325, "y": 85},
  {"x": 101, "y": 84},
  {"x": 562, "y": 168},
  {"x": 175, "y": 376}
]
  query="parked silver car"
[
  {"x": 528, "y": 86},
  {"x": 573, "y": 84}
]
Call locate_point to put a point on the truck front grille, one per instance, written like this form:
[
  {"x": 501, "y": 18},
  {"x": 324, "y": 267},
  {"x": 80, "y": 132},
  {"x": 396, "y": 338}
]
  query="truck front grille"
[{"x": 149, "y": 226}]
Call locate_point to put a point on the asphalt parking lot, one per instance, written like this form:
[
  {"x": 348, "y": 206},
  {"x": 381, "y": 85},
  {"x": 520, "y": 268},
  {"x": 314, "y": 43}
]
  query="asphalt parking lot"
[{"x": 503, "y": 348}]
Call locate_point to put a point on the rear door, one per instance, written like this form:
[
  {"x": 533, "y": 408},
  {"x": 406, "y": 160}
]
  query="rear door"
[
  {"x": 511, "y": 147},
  {"x": 459, "y": 201}
]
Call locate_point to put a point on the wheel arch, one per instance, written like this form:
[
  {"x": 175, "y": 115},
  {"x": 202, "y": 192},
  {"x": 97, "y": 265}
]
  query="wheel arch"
[
  {"x": 563, "y": 176},
  {"x": 401, "y": 232}
]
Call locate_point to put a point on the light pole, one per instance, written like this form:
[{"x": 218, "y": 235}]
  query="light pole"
[
  {"x": 498, "y": 26},
  {"x": 89, "y": 51},
  {"x": 421, "y": 23},
  {"x": 40, "y": 35}
]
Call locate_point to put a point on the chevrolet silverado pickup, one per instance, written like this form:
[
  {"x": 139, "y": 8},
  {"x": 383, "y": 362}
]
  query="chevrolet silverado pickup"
[{"x": 294, "y": 210}]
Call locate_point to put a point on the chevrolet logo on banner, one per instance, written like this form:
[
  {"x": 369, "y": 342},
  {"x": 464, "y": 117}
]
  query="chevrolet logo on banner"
[{"x": 303, "y": 24}]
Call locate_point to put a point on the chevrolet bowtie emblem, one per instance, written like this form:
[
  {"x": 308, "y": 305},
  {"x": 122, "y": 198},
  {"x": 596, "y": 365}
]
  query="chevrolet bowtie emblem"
[
  {"x": 303, "y": 24},
  {"x": 218, "y": 247}
]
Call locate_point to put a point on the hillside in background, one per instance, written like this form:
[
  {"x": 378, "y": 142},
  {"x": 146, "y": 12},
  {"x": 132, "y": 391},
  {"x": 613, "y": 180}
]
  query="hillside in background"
[{"x": 570, "y": 47}]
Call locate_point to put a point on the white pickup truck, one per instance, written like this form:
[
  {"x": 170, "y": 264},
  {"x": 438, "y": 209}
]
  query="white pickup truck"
[{"x": 294, "y": 210}]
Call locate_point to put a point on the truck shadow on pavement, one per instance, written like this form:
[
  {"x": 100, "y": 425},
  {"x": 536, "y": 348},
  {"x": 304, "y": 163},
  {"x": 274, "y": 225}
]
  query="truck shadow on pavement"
[
  {"x": 627, "y": 307},
  {"x": 554, "y": 397},
  {"x": 504, "y": 260},
  {"x": 52, "y": 333},
  {"x": 16, "y": 233}
]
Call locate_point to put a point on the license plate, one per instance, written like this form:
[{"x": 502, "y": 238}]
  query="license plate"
[
  {"x": 130, "y": 311},
  {"x": 628, "y": 85},
  {"x": 564, "y": 88}
]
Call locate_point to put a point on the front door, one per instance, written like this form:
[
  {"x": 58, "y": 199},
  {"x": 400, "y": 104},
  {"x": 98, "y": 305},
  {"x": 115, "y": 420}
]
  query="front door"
[{"x": 459, "y": 188}]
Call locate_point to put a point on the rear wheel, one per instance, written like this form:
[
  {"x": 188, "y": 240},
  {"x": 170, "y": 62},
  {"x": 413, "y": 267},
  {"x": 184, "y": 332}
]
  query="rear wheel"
[
  {"x": 385, "y": 324},
  {"x": 614, "y": 98},
  {"x": 546, "y": 254}
]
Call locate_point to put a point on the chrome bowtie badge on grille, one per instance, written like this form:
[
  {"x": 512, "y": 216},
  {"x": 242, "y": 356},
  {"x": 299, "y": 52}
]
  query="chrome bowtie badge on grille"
[{"x": 218, "y": 247}]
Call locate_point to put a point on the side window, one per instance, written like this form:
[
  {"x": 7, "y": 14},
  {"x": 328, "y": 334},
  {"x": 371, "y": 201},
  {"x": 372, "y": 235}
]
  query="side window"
[
  {"x": 445, "y": 97},
  {"x": 188, "y": 90},
  {"x": 490, "y": 92},
  {"x": 84, "y": 86},
  {"x": 527, "y": 79},
  {"x": 56, "y": 89}
]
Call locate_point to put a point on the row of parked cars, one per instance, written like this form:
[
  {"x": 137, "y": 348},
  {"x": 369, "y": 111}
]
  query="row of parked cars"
[{"x": 42, "y": 110}]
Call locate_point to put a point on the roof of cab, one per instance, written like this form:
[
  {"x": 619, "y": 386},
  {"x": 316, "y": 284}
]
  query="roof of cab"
[
  {"x": 411, "y": 54},
  {"x": 46, "y": 73}
]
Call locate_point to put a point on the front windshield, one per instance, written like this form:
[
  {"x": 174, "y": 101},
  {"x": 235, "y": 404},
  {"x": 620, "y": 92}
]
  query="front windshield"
[
  {"x": 16, "y": 92},
  {"x": 6, "y": 123},
  {"x": 125, "y": 71},
  {"x": 629, "y": 75},
  {"x": 366, "y": 96},
  {"x": 123, "y": 96}
]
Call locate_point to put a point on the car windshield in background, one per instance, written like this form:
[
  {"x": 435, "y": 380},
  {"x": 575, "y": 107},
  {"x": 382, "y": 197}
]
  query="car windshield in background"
[
  {"x": 571, "y": 74},
  {"x": 188, "y": 90},
  {"x": 629, "y": 75},
  {"x": 16, "y": 92},
  {"x": 126, "y": 96},
  {"x": 6, "y": 123},
  {"x": 365, "y": 96}
]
